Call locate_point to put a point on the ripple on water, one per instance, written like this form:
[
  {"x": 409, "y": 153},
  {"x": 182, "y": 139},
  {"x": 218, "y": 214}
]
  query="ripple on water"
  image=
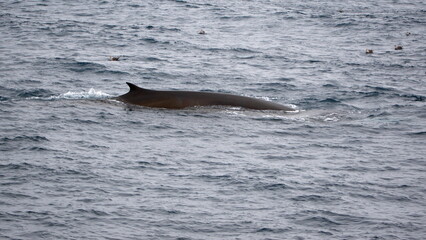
[{"x": 348, "y": 164}]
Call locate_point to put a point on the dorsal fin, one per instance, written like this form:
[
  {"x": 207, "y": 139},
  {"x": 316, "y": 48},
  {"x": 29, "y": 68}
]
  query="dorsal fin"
[{"x": 132, "y": 86}]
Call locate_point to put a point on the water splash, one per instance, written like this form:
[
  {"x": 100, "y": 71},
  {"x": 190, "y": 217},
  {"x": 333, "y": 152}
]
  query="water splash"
[{"x": 91, "y": 94}]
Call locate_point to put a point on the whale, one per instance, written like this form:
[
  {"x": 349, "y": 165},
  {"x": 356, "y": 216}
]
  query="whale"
[{"x": 185, "y": 99}]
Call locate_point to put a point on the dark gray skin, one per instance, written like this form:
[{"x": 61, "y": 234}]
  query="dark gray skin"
[{"x": 183, "y": 99}]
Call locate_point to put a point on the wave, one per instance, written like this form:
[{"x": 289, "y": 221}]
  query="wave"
[
  {"x": 82, "y": 66},
  {"x": 417, "y": 134},
  {"x": 230, "y": 49},
  {"x": 34, "y": 93},
  {"x": 24, "y": 138}
]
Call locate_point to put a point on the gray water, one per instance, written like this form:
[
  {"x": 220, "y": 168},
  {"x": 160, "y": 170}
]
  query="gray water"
[{"x": 348, "y": 164}]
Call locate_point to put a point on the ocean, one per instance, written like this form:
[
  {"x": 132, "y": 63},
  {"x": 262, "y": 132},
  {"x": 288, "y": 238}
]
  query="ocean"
[{"x": 349, "y": 163}]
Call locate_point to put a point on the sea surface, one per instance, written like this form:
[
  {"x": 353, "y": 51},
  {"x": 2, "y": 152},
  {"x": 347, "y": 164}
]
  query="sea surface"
[{"x": 349, "y": 163}]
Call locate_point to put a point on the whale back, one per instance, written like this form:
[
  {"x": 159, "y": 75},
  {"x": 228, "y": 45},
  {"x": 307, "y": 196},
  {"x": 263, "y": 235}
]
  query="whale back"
[{"x": 182, "y": 99}]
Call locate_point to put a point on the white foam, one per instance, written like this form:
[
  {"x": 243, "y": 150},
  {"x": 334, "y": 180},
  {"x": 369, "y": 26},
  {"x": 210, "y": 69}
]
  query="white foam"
[
  {"x": 91, "y": 94},
  {"x": 328, "y": 117}
]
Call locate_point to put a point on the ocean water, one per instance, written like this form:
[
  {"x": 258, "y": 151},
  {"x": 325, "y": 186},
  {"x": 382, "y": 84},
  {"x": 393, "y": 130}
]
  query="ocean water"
[{"x": 348, "y": 164}]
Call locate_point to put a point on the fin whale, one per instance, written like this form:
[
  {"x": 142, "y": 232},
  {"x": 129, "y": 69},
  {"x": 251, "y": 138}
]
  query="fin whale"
[{"x": 183, "y": 99}]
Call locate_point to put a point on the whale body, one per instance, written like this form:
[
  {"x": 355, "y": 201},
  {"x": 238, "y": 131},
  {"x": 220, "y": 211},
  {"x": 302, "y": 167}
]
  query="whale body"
[{"x": 183, "y": 99}]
